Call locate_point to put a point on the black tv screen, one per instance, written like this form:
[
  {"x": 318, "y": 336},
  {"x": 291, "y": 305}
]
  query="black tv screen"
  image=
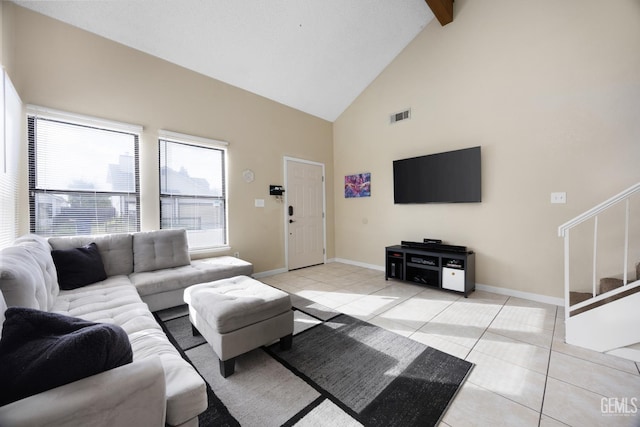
[{"x": 450, "y": 177}]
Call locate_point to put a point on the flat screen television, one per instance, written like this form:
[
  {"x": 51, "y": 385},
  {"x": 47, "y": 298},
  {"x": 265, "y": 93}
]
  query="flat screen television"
[{"x": 449, "y": 177}]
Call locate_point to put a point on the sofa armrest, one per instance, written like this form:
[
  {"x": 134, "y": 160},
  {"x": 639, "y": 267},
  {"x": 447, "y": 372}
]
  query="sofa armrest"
[{"x": 130, "y": 395}]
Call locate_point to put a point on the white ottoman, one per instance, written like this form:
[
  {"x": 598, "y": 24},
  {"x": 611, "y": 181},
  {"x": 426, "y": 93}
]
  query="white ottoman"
[{"x": 239, "y": 314}]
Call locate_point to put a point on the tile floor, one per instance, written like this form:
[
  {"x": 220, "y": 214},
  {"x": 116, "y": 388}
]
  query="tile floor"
[{"x": 524, "y": 374}]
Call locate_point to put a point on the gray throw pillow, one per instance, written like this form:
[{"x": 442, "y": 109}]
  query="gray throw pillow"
[{"x": 156, "y": 250}]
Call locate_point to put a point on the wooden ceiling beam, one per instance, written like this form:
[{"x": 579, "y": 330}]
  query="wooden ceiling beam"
[{"x": 442, "y": 9}]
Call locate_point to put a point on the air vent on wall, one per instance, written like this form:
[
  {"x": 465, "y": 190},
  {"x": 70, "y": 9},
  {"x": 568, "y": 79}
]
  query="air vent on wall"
[{"x": 397, "y": 117}]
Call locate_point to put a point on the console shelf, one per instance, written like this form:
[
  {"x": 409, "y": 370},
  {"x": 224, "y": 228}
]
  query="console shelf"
[{"x": 448, "y": 270}]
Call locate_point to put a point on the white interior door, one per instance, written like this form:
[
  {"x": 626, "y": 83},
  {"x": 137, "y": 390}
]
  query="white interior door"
[{"x": 304, "y": 213}]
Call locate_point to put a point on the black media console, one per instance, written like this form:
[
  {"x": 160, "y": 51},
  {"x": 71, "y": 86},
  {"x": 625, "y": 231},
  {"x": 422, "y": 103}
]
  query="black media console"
[{"x": 440, "y": 266}]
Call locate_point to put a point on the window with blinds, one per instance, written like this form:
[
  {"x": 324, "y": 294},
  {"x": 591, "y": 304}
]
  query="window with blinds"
[
  {"x": 11, "y": 127},
  {"x": 193, "y": 189},
  {"x": 83, "y": 175}
]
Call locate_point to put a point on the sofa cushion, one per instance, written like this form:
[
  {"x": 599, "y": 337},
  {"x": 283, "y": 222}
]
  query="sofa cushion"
[
  {"x": 113, "y": 300},
  {"x": 78, "y": 267},
  {"x": 41, "y": 350},
  {"x": 186, "y": 390},
  {"x": 155, "y": 250},
  {"x": 116, "y": 250},
  {"x": 198, "y": 271}
]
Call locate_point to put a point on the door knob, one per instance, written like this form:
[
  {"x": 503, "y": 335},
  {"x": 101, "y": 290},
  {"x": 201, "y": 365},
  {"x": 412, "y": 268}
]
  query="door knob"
[{"x": 290, "y": 221}]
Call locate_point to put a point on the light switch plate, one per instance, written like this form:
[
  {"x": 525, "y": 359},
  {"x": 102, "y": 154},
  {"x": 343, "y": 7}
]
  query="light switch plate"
[
  {"x": 559, "y": 197},
  {"x": 259, "y": 203}
]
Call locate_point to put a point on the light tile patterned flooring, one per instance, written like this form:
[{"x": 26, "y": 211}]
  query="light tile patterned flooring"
[{"x": 524, "y": 374}]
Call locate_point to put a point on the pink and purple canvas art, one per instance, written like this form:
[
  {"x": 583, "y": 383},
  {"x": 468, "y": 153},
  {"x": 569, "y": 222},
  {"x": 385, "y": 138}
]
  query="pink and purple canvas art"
[{"x": 358, "y": 185}]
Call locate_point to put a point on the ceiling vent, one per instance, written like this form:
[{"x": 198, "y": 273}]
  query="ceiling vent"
[{"x": 398, "y": 117}]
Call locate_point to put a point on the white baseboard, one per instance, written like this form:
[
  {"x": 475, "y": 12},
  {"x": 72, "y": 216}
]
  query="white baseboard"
[
  {"x": 520, "y": 294},
  {"x": 357, "y": 263}
]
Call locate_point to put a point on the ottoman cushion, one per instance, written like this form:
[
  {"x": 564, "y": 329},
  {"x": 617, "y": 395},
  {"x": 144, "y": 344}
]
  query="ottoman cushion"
[{"x": 231, "y": 304}]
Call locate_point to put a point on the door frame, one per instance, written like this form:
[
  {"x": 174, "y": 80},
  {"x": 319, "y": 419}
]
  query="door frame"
[{"x": 285, "y": 216}]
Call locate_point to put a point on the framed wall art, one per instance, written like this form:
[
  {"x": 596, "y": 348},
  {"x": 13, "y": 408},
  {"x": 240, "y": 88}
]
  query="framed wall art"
[{"x": 358, "y": 185}]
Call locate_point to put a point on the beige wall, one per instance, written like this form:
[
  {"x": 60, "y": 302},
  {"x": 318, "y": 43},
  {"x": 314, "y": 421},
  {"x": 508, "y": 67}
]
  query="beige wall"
[
  {"x": 2, "y": 32},
  {"x": 550, "y": 90},
  {"x": 7, "y": 26},
  {"x": 61, "y": 67}
]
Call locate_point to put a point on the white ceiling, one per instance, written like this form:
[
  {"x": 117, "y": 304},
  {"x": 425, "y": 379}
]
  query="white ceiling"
[{"x": 316, "y": 56}]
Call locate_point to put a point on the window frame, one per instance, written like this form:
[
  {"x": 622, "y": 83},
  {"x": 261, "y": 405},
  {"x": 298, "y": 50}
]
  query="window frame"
[
  {"x": 35, "y": 113},
  {"x": 207, "y": 144}
]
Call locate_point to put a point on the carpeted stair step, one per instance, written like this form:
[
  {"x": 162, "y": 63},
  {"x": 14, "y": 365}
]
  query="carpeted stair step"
[
  {"x": 609, "y": 283},
  {"x": 578, "y": 297}
]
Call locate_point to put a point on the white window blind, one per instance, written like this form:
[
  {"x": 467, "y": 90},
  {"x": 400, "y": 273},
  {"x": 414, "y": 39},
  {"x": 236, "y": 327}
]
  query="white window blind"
[
  {"x": 193, "y": 188},
  {"x": 11, "y": 120},
  {"x": 83, "y": 174}
]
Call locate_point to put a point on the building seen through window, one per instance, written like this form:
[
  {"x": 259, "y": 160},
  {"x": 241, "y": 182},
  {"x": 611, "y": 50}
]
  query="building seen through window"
[{"x": 193, "y": 193}]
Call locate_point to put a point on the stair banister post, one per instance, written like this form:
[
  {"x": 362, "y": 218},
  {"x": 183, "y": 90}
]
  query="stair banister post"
[
  {"x": 566, "y": 275},
  {"x": 626, "y": 243},
  {"x": 595, "y": 253}
]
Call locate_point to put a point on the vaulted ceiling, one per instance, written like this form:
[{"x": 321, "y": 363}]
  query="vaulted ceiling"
[{"x": 316, "y": 56}]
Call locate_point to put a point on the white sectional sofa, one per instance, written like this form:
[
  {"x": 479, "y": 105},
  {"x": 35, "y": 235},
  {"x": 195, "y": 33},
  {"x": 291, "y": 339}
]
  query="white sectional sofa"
[{"x": 145, "y": 271}]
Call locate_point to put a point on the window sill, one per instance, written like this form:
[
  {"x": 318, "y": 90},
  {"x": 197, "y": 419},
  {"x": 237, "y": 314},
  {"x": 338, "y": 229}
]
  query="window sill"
[{"x": 203, "y": 252}]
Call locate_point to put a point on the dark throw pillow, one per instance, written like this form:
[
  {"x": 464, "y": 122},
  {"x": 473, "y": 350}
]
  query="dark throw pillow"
[
  {"x": 78, "y": 267},
  {"x": 40, "y": 351}
]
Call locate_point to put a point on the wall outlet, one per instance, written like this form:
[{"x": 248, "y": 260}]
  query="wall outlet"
[
  {"x": 559, "y": 197},
  {"x": 236, "y": 254}
]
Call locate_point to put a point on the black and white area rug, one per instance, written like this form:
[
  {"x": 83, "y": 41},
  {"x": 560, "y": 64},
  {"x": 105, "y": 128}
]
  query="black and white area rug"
[{"x": 341, "y": 371}]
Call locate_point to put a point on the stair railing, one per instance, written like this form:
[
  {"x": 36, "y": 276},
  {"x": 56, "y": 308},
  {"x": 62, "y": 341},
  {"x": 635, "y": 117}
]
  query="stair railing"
[{"x": 563, "y": 231}]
